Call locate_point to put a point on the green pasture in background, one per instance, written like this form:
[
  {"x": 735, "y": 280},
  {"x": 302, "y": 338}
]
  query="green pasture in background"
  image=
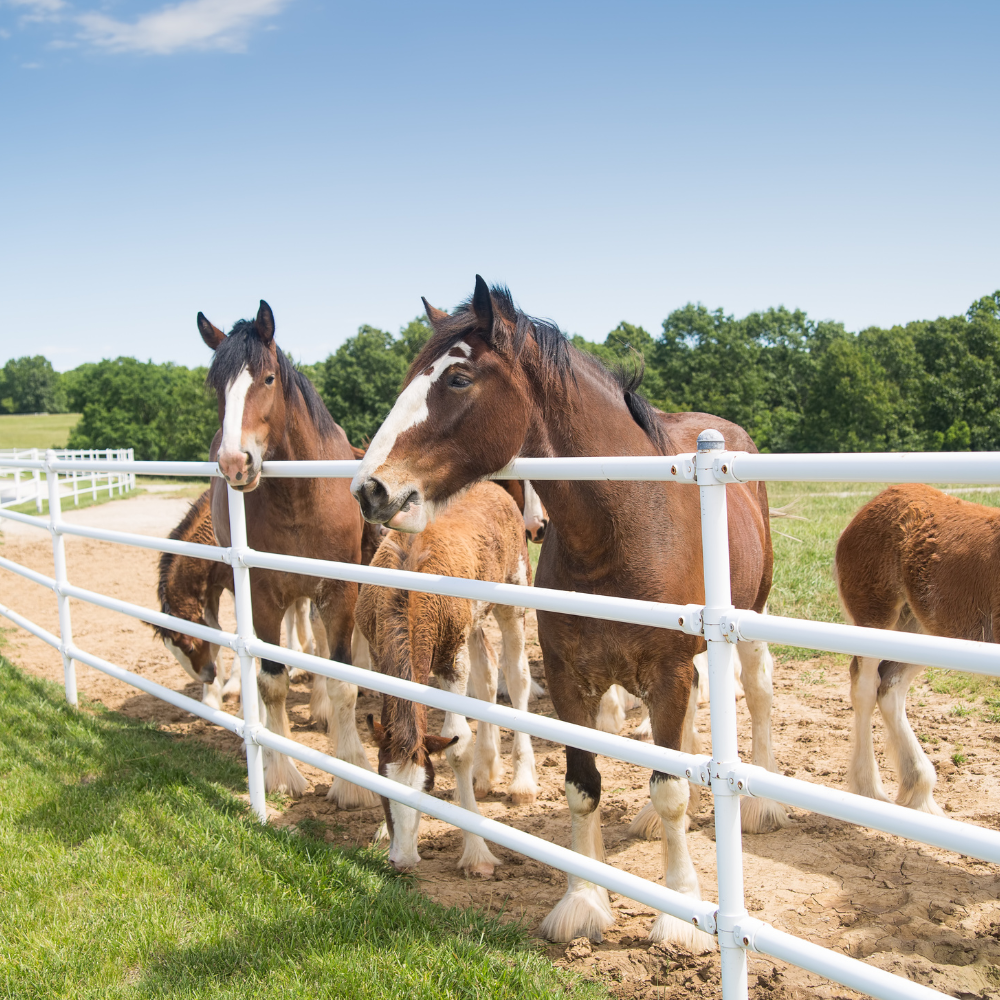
[
  {"x": 41, "y": 430},
  {"x": 130, "y": 868}
]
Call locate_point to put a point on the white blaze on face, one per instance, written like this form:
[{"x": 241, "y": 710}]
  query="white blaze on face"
[
  {"x": 232, "y": 422},
  {"x": 534, "y": 512},
  {"x": 409, "y": 410},
  {"x": 405, "y": 820},
  {"x": 182, "y": 658}
]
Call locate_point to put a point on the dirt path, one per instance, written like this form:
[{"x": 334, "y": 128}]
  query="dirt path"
[{"x": 925, "y": 913}]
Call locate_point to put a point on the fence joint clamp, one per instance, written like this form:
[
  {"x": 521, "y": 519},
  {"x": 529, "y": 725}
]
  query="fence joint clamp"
[
  {"x": 730, "y": 625},
  {"x": 745, "y": 930},
  {"x": 691, "y": 620},
  {"x": 236, "y": 556}
]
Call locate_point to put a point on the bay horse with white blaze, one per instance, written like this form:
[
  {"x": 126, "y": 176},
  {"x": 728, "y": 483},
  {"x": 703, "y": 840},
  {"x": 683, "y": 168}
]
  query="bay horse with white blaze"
[
  {"x": 493, "y": 383},
  {"x": 916, "y": 560},
  {"x": 269, "y": 411},
  {"x": 411, "y": 634}
]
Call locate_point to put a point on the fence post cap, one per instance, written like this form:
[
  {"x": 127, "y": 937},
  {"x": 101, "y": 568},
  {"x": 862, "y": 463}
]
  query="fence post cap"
[{"x": 711, "y": 440}]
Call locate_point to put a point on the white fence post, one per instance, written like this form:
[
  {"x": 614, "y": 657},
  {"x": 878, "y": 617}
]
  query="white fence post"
[
  {"x": 722, "y": 694},
  {"x": 244, "y": 630},
  {"x": 93, "y": 476},
  {"x": 59, "y": 562},
  {"x": 36, "y": 478}
]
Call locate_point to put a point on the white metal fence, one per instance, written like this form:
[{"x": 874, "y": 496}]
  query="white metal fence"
[
  {"x": 76, "y": 483},
  {"x": 717, "y": 620}
]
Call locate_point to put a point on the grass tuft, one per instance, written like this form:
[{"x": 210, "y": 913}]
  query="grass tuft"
[{"x": 129, "y": 868}]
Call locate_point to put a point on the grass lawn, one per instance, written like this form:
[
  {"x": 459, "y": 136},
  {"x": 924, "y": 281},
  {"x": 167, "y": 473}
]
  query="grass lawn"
[
  {"x": 46, "y": 430},
  {"x": 129, "y": 868}
]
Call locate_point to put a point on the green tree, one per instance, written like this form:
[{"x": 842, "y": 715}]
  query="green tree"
[
  {"x": 362, "y": 378},
  {"x": 31, "y": 385},
  {"x": 164, "y": 412}
]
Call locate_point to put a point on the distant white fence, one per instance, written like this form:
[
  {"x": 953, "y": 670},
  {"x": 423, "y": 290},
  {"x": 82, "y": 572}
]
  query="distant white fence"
[
  {"x": 717, "y": 620},
  {"x": 19, "y": 485}
]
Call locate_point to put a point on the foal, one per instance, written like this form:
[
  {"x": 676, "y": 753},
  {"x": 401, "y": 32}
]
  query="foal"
[
  {"x": 269, "y": 411},
  {"x": 480, "y": 536},
  {"x": 493, "y": 383},
  {"x": 916, "y": 560},
  {"x": 190, "y": 588}
]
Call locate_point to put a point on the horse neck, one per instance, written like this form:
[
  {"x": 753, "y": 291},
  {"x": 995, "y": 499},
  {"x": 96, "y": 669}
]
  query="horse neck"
[{"x": 587, "y": 416}]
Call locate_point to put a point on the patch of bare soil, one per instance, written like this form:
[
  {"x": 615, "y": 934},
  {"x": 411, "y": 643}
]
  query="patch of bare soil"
[{"x": 924, "y": 913}]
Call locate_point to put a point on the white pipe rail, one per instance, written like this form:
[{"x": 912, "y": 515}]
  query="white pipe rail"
[{"x": 720, "y": 624}]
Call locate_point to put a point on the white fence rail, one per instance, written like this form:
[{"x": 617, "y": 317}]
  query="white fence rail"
[
  {"x": 21, "y": 480},
  {"x": 717, "y": 620}
]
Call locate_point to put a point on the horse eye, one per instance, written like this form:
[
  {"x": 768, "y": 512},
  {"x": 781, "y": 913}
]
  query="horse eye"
[
  {"x": 459, "y": 381},
  {"x": 269, "y": 380}
]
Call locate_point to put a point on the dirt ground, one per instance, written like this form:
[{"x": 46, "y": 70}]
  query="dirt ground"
[{"x": 918, "y": 911}]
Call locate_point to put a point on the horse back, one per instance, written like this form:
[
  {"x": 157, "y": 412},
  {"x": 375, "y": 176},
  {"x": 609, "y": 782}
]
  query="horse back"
[{"x": 917, "y": 546}]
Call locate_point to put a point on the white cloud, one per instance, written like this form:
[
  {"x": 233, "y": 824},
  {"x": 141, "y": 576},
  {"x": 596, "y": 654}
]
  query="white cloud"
[
  {"x": 39, "y": 6},
  {"x": 191, "y": 24}
]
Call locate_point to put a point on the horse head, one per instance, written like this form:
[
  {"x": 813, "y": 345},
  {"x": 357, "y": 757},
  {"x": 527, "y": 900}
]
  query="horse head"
[
  {"x": 251, "y": 377},
  {"x": 462, "y": 414}
]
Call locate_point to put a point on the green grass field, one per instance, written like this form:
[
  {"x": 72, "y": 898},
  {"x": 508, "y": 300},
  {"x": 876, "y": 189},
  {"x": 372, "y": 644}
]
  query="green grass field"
[
  {"x": 129, "y": 868},
  {"x": 48, "y": 430}
]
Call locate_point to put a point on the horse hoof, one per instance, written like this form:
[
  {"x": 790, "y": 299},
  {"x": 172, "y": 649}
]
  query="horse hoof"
[
  {"x": 585, "y": 911},
  {"x": 479, "y": 871},
  {"x": 762, "y": 815},
  {"x": 647, "y": 824},
  {"x": 281, "y": 775},
  {"x": 348, "y": 796},
  {"x": 523, "y": 798},
  {"x": 680, "y": 934}
]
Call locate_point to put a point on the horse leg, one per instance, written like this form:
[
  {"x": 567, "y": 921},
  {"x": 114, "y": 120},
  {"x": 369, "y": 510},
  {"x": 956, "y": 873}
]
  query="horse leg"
[
  {"x": 915, "y": 772},
  {"x": 670, "y": 796},
  {"x": 292, "y": 640},
  {"x": 477, "y": 859},
  {"x": 487, "y": 766},
  {"x": 344, "y": 739},
  {"x": 759, "y": 815},
  {"x": 280, "y": 772},
  {"x": 862, "y": 771},
  {"x": 361, "y": 654},
  {"x": 647, "y": 822},
  {"x": 585, "y": 909},
  {"x": 514, "y": 663}
]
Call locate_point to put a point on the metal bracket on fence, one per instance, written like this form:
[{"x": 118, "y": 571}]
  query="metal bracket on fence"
[
  {"x": 730, "y": 625},
  {"x": 744, "y": 931},
  {"x": 723, "y": 468},
  {"x": 236, "y": 556},
  {"x": 729, "y": 778},
  {"x": 692, "y": 621},
  {"x": 701, "y": 776}
]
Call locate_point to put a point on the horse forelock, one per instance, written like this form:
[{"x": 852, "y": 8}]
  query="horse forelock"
[{"x": 243, "y": 349}]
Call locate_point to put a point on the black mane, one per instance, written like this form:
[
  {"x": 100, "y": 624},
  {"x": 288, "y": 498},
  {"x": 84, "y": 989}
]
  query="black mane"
[
  {"x": 556, "y": 352},
  {"x": 243, "y": 346}
]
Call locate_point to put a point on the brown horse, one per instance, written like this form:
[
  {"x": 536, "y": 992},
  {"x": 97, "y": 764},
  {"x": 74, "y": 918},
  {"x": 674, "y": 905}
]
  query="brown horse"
[
  {"x": 491, "y": 384},
  {"x": 412, "y": 635},
  {"x": 190, "y": 588},
  {"x": 269, "y": 411},
  {"x": 917, "y": 560}
]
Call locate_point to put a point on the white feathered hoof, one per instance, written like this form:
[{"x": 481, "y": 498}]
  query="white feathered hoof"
[
  {"x": 585, "y": 911},
  {"x": 281, "y": 775},
  {"x": 523, "y": 793},
  {"x": 320, "y": 704},
  {"x": 232, "y": 686},
  {"x": 537, "y": 691},
  {"x": 347, "y": 795},
  {"x": 610, "y": 715},
  {"x": 762, "y": 815},
  {"x": 211, "y": 696},
  {"x": 647, "y": 824},
  {"x": 680, "y": 934},
  {"x": 477, "y": 860},
  {"x": 296, "y": 674}
]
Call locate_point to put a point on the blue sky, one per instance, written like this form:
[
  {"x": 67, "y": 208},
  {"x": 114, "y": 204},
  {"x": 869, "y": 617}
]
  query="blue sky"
[{"x": 606, "y": 161}]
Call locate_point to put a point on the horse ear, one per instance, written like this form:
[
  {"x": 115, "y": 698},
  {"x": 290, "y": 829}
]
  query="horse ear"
[
  {"x": 434, "y": 315},
  {"x": 482, "y": 306},
  {"x": 212, "y": 335},
  {"x": 265, "y": 322},
  {"x": 435, "y": 744}
]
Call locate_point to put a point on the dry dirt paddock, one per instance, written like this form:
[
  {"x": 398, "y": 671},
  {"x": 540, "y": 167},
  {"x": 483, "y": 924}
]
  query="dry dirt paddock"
[{"x": 918, "y": 911}]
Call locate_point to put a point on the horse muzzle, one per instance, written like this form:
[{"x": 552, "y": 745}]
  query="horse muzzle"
[{"x": 403, "y": 509}]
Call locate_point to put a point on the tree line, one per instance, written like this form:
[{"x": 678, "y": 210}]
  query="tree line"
[{"x": 796, "y": 384}]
